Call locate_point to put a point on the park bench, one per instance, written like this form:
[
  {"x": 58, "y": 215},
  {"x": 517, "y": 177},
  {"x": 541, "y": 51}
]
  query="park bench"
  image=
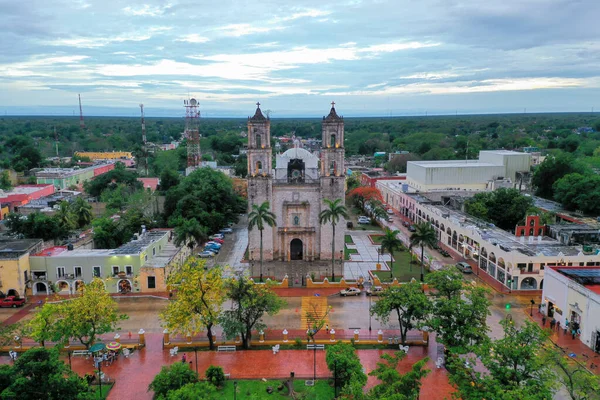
[
  {"x": 227, "y": 376},
  {"x": 226, "y": 348},
  {"x": 81, "y": 353},
  {"x": 315, "y": 347}
]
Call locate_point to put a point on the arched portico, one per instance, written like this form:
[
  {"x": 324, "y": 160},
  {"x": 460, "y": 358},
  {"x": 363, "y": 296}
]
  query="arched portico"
[
  {"x": 40, "y": 288},
  {"x": 296, "y": 249},
  {"x": 528, "y": 283},
  {"x": 124, "y": 286}
]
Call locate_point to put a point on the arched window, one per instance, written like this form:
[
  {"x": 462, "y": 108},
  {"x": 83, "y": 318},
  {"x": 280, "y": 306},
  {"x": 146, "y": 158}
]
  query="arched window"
[
  {"x": 531, "y": 222},
  {"x": 332, "y": 170},
  {"x": 258, "y": 166},
  {"x": 332, "y": 141},
  {"x": 258, "y": 140},
  {"x": 530, "y": 231},
  {"x": 296, "y": 220},
  {"x": 492, "y": 258}
]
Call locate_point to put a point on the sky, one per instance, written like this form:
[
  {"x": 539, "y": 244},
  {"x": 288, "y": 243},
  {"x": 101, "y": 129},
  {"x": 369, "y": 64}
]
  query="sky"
[{"x": 373, "y": 58}]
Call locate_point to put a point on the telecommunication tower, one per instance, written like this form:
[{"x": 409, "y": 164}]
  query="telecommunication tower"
[
  {"x": 145, "y": 148},
  {"x": 81, "y": 123},
  {"x": 192, "y": 134},
  {"x": 56, "y": 141}
]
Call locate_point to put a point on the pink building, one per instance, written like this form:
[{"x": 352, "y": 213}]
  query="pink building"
[
  {"x": 23, "y": 194},
  {"x": 150, "y": 183}
]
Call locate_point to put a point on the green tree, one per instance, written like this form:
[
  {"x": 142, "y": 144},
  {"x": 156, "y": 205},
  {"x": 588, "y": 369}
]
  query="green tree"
[
  {"x": 334, "y": 211},
  {"x": 39, "y": 374},
  {"x": 390, "y": 242},
  {"x": 92, "y": 313},
  {"x": 215, "y": 375},
  {"x": 171, "y": 378},
  {"x": 578, "y": 192},
  {"x": 189, "y": 232},
  {"x": 552, "y": 169},
  {"x": 107, "y": 233},
  {"x": 260, "y": 216},
  {"x": 250, "y": 302},
  {"x": 395, "y": 385},
  {"x": 82, "y": 210},
  {"x": 193, "y": 391},
  {"x": 206, "y": 195},
  {"x": 168, "y": 179},
  {"x": 455, "y": 302},
  {"x": 503, "y": 207},
  {"x": 43, "y": 326},
  {"x": 409, "y": 303},
  {"x": 424, "y": 235},
  {"x": 200, "y": 296},
  {"x": 112, "y": 179},
  {"x": 578, "y": 381},
  {"x": 65, "y": 217},
  {"x": 517, "y": 368},
  {"x": 34, "y": 226},
  {"x": 5, "y": 183},
  {"x": 345, "y": 365}
]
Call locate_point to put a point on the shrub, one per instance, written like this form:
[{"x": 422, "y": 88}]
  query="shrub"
[
  {"x": 215, "y": 375},
  {"x": 172, "y": 378},
  {"x": 298, "y": 343}
]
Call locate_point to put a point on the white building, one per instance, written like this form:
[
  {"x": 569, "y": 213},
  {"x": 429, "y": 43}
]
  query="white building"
[
  {"x": 574, "y": 293},
  {"x": 296, "y": 189},
  {"x": 482, "y": 174},
  {"x": 514, "y": 262}
]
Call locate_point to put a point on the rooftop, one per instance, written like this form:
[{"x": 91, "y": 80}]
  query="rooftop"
[
  {"x": 24, "y": 189},
  {"x": 10, "y": 248},
  {"x": 589, "y": 277},
  {"x": 453, "y": 164},
  {"x": 507, "y": 152}
]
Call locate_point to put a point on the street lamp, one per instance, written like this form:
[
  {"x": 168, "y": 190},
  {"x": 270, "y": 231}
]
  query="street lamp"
[
  {"x": 341, "y": 262},
  {"x": 234, "y": 389},
  {"x": 531, "y": 309},
  {"x": 370, "y": 285}
]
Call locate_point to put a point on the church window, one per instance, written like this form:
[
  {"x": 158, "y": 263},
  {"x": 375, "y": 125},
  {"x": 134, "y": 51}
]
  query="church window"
[
  {"x": 296, "y": 220},
  {"x": 258, "y": 141},
  {"x": 332, "y": 167},
  {"x": 332, "y": 141},
  {"x": 258, "y": 166}
]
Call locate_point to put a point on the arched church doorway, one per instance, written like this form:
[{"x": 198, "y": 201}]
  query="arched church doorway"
[{"x": 296, "y": 249}]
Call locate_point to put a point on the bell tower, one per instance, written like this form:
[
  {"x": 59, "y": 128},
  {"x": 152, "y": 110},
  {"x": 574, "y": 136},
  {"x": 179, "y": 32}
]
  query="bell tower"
[
  {"x": 333, "y": 179},
  {"x": 260, "y": 179}
]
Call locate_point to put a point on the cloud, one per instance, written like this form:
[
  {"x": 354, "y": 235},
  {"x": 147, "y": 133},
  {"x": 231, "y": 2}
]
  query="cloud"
[
  {"x": 146, "y": 10},
  {"x": 193, "y": 38},
  {"x": 237, "y": 30}
]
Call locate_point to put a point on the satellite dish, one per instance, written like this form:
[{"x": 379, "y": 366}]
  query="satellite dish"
[{"x": 193, "y": 102}]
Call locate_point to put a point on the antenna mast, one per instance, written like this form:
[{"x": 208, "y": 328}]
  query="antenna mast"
[
  {"x": 145, "y": 149},
  {"x": 192, "y": 134},
  {"x": 56, "y": 142},
  {"x": 81, "y": 123}
]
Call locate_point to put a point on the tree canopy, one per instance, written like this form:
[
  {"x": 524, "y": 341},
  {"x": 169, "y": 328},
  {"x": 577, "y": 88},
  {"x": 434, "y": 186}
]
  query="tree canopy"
[
  {"x": 553, "y": 168},
  {"x": 503, "y": 207}
]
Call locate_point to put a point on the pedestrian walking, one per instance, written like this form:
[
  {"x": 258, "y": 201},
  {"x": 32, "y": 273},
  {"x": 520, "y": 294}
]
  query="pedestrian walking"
[
  {"x": 184, "y": 358},
  {"x": 566, "y": 325},
  {"x": 573, "y": 332},
  {"x": 543, "y": 320},
  {"x": 552, "y": 323}
]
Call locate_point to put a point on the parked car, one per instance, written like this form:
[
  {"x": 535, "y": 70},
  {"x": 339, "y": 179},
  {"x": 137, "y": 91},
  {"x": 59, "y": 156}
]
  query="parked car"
[
  {"x": 374, "y": 291},
  {"x": 220, "y": 241},
  {"x": 350, "y": 292},
  {"x": 464, "y": 267},
  {"x": 390, "y": 211},
  {"x": 444, "y": 253},
  {"x": 363, "y": 220},
  {"x": 211, "y": 248},
  {"x": 218, "y": 245},
  {"x": 12, "y": 301},
  {"x": 390, "y": 219},
  {"x": 206, "y": 254},
  {"x": 217, "y": 236},
  {"x": 405, "y": 223},
  {"x": 412, "y": 228},
  {"x": 226, "y": 230}
]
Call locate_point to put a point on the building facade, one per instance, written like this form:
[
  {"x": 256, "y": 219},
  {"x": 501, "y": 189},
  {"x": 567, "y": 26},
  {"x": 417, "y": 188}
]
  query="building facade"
[
  {"x": 513, "y": 262},
  {"x": 296, "y": 189},
  {"x": 64, "y": 178},
  {"x": 574, "y": 294},
  {"x": 15, "y": 272},
  {"x": 142, "y": 265}
]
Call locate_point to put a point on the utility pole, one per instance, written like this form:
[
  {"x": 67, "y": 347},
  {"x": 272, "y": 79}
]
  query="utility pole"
[
  {"x": 81, "y": 123},
  {"x": 144, "y": 140}
]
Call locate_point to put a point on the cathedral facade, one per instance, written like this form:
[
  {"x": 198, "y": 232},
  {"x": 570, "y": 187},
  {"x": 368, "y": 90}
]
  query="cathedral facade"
[{"x": 296, "y": 189}]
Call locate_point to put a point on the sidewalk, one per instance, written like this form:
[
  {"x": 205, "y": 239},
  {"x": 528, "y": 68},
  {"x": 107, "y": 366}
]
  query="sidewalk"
[{"x": 583, "y": 355}]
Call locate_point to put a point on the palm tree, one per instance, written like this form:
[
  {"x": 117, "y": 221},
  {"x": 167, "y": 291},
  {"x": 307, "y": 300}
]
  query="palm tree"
[
  {"x": 333, "y": 214},
  {"x": 258, "y": 217},
  {"x": 82, "y": 211},
  {"x": 390, "y": 242},
  {"x": 65, "y": 217},
  {"x": 424, "y": 235},
  {"x": 190, "y": 232}
]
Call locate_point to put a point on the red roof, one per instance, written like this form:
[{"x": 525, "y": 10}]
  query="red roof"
[
  {"x": 51, "y": 251},
  {"x": 150, "y": 183}
]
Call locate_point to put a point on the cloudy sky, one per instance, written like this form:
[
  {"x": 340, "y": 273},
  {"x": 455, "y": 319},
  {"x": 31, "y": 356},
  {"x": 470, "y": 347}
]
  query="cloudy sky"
[{"x": 379, "y": 57}]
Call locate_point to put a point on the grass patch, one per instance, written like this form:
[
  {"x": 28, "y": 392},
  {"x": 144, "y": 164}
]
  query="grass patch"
[
  {"x": 348, "y": 239},
  {"x": 348, "y": 251},
  {"x": 376, "y": 238},
  {"x": 106, "y": 387},
  {"x": 257, "y": 389},
  {"x": 402, "y": 269}
]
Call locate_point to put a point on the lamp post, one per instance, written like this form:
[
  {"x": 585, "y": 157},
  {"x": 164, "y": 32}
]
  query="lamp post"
[
  {"x": 370, "y": 285},
  {"x": 531, "y": 308},
  {"x": 341, "y": 262},
  {"x": 234, "y": 389}
]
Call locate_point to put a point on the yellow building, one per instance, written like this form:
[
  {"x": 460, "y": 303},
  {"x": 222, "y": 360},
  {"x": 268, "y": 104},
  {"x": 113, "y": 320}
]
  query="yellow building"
[
  {"x": 14, "y": 264},
  {"x": 108, "y": 155}
]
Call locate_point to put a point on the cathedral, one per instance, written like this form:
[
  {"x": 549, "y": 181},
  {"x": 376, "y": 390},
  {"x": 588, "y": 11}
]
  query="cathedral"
[{"x": 295, "y": 190}]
